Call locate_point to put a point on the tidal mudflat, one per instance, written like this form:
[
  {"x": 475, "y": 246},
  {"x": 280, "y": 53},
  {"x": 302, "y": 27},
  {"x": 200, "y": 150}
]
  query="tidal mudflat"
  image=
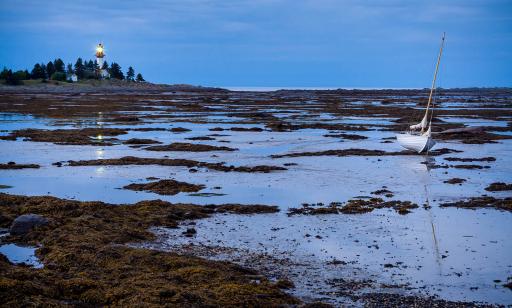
[{"x": 284, "y": 197}]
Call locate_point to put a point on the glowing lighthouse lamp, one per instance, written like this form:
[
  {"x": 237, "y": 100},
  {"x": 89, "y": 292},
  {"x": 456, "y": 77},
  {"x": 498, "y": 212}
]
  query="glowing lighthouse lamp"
[{"x": 100, "y": 54}]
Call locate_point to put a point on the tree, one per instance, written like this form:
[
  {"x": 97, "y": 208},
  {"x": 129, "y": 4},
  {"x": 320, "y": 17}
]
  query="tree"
[
  {"x": 130, "y": 74},
  {"x": 13, "y": 79},
  {"x": 45, "y": 71},
  {"x": 79, "y": 68},
  {"x": 140, "y": 78},
  {"x": 4, "y": 73},
  {"x": 89, "y": 65},
  {"x": 115, "y": 71},
  {"x": 50, "y": 69},
  {"x": 38, "y": 72},
  {"x": 59, "y": 65},
  {"x": 69, "y": 70},
  {"x": 60, "y": 76},
  {"x": 104, "y": 66}
]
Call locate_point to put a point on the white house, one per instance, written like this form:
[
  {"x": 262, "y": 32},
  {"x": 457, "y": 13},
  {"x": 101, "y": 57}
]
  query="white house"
[{"x": 73, "y": 77}]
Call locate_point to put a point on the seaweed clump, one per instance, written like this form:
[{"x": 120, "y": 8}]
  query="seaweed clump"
[
  {"x": 166, "y": 187},
  {"x": 472, "y": 137},
  {"x": 188, "y": 147},
  {"x": 347, "y": 136},
  {"x": 499, "y": 186},
  {"x": 84, "y": 136},
  {"x": 504, "y": 204},
  {"x": 353, "y": 206},
  {"x": 361, "y": 152},
  {"x": 140, "y": 141},
  {"x": 455, "y": 181},
  {"x": 87, "y": 262},
  {"x": 469, "y": 159},
  {"x": 132, "y": 160},
  {"x": 13, "y": 165}
]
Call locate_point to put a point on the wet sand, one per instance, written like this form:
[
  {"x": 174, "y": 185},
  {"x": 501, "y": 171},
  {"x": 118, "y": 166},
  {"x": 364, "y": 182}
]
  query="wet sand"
[{"x": 355, "y": 220}]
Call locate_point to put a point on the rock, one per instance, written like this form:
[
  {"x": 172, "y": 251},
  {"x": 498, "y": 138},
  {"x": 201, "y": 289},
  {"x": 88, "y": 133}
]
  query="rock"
[
  {"x": 24, "y": 223},
  {"x": 190, "y": 232}
]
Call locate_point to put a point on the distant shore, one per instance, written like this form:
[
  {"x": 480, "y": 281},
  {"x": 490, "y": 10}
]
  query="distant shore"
[{"x": 52, "y": 86}]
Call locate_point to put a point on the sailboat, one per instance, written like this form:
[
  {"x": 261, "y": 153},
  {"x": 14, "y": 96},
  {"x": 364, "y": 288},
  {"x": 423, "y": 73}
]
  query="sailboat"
[{"x": 419, "y": 136}]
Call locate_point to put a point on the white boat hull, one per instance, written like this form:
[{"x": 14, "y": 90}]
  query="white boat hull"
[{"x": 417, "y": 143}]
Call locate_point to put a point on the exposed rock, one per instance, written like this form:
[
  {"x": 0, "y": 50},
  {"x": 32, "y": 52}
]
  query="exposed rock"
[{"x": 24, "y": 223}]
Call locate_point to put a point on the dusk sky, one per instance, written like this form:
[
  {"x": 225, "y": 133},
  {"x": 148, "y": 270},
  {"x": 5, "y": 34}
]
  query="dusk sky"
[{"x": 272, "y": 43}]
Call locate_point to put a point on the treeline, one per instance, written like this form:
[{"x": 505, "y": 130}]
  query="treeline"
[{"x": 57, "y": 70}]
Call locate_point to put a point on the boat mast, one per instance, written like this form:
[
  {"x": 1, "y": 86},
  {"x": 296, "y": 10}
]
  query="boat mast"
[{"x": 434, "y": 81}]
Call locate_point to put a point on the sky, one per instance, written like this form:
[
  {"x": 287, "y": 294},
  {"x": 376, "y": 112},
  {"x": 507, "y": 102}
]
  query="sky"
[{"x": 271, "y": 43}]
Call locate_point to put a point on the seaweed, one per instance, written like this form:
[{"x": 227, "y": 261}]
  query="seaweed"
[
  {"x": 13, "y": 165},
  {"x": 353, "y": 206},
  {"x": 87, "y": 262},
  {"x": 132, "y": 160},
  {"x": 165, "y": 187},
  {"x": 499, "y": 186},
  {"x": 84, "y": 136},
  {"x": 188, "y": 147},
  {"x": 504, "y": 204}
]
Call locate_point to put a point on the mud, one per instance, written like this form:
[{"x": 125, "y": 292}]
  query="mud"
[
  {"x": 188, "y": 147},
  {"x": 131, "y": 160},
  {"x": 12, "y": 165},
  {"x": 504, "y": 204},
  {"x": 166, "y": 187}
]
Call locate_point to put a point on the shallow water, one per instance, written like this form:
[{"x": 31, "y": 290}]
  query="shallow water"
[
  {"x": 475, "y": 243},
  {"x": 19, "y": 254}
]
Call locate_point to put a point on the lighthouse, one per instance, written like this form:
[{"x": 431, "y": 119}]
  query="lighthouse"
[{"x": 100, "y": 54}]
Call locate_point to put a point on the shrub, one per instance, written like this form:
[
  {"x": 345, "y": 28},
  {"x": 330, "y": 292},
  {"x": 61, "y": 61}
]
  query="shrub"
[{"x": 60, "y": 76}]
